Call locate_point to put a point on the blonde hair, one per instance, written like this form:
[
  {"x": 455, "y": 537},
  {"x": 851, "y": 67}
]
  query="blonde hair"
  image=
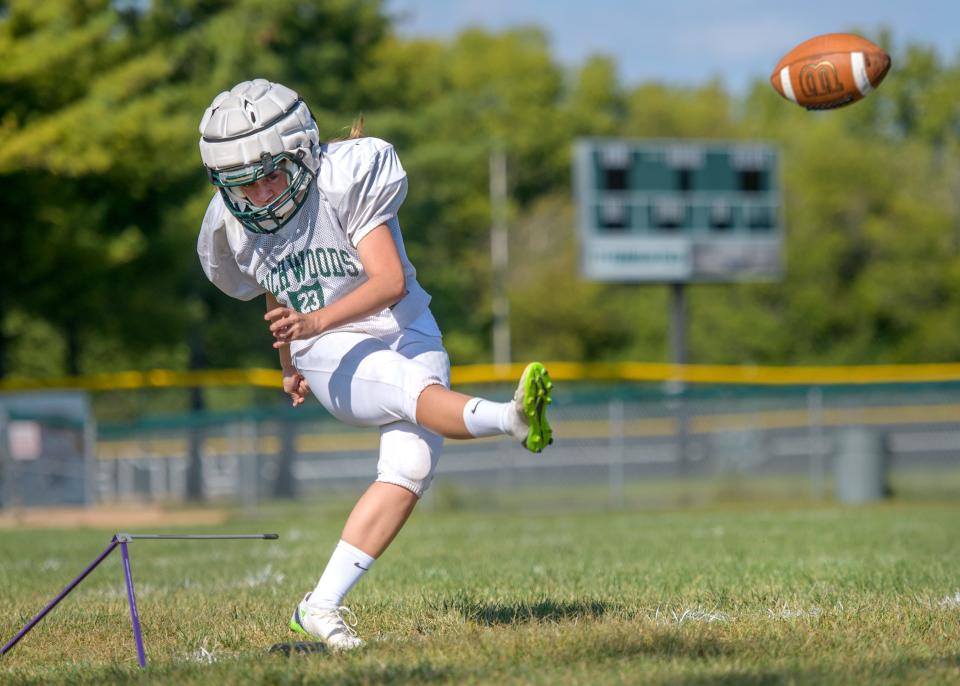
[{"x": 356, "y": 130}]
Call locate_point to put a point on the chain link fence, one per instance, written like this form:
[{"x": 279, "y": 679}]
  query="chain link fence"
[{"x": 607, "y": 437}]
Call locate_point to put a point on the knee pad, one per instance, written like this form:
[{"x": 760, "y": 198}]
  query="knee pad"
[{"x": 408, "y": 456}]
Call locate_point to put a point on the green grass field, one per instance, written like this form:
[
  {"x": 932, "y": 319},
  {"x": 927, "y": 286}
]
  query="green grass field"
[{"x": 764, "y": 592}]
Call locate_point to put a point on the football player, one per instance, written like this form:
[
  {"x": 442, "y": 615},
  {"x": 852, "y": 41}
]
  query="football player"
[{"x": 313, "y": 227}]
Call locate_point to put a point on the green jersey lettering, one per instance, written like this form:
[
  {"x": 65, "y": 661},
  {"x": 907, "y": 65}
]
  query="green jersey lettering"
[
  {"x": 323, "y": 262},
  {"x": 335, "y": 261},
  {"x": 307, "y": 256},
  {"x": 349, "y": 264},
  {"x": 283, "y": 276},
  {"x": 307, "y": 299},
  {"x": 297, "y": 266}
]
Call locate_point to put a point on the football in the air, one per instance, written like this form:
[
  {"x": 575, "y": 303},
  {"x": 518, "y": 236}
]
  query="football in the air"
[{"x": 830, "y": 71}]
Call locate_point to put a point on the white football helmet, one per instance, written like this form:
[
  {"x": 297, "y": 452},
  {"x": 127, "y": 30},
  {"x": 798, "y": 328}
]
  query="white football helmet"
[{"x": 251, "y": 131}]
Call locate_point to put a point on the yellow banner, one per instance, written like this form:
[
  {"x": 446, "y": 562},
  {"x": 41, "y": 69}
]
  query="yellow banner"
[
  {"x": 560, "y": 371},
  {"x": 716, "y": 374}
]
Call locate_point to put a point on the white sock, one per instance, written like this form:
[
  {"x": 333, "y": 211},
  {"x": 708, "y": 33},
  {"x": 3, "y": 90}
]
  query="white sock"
[
  {"x": 346, "y": 566},
  {"x": 484, "y": 418}
]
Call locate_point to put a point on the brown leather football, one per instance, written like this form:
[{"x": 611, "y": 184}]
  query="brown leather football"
[{"x": 830, "y": 71}]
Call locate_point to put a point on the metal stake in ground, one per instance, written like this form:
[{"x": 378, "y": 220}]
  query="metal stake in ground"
[{"x": 122, "y": 539}]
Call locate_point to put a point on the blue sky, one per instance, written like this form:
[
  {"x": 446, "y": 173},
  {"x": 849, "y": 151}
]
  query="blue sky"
[{"x": 688, "y": 41}]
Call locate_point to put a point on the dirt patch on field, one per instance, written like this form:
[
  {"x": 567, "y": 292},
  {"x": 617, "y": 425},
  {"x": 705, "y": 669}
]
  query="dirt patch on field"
[{"x": 114, "y": 517}]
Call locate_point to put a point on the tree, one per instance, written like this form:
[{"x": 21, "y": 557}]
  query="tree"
[
  {"x": 106, "y": 159},
  {"x": 104, "y": 191}
]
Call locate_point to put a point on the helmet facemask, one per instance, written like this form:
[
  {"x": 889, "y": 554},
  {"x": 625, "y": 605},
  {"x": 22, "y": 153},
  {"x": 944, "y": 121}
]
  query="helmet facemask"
[{"x": 275, "y": 214}]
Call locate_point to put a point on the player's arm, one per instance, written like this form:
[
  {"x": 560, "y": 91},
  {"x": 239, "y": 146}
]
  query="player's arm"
[
  {"x": 385, "y": 285},
  {"x": 293, "y": 383}
]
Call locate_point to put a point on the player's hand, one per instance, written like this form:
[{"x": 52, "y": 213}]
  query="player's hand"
[
  {"x": 286, "y": 324},
  {"x": 295, "y": 386}
]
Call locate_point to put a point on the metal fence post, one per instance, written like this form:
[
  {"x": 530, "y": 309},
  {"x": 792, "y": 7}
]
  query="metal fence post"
[
  {"x": 615, "y": 414},
  {"x": 816, "y": 441},
  {"x": 8, "y": 493},
  {"x": 245, "y": 435},
  {"x": 196, "y": 486},
  {"x": 285, "y": 485},
  {"x": 677, "y": 403},
  {"x": 125, "y": 487},
  {"x": 89, "y": 458}
]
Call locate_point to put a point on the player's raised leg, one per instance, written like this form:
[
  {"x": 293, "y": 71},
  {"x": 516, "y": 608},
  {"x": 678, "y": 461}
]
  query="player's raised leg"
[{"x": 456, "y": 415}]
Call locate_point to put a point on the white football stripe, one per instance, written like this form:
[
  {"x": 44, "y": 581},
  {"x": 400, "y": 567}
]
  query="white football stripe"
[
  {"x": 785, "y": 83},
  {"x": 859, "y": 66}
]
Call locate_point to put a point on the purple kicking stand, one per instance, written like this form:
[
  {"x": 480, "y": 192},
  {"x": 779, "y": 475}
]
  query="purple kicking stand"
[
  {"x": 63, "y": 594},
  {"x": 134, "y": 617},
  {"x": 122, "y": 540}
]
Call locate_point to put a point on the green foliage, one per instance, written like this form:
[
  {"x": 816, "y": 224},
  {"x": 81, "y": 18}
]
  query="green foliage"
[
  {"x": 104, "y": 163},
  {"x": 871, "y": 213},
  {"x": 584, "y": 320},
  {"x": 105, "y": 192}
]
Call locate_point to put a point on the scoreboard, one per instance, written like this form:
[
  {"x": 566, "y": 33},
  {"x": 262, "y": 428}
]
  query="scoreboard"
[{"x": 678, "y": 211}]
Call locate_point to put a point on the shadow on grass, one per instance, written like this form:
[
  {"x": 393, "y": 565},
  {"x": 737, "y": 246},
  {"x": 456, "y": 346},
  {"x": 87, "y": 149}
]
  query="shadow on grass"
[
  {"x": 295, "y": 669},
  {"x": 520, "y": 613},
  {"x": 674, "y": 644},
  {"x": 936, "y": 669}
]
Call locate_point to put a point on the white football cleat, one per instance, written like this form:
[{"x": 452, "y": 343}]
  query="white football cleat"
[{"x": 326, "y": 625}]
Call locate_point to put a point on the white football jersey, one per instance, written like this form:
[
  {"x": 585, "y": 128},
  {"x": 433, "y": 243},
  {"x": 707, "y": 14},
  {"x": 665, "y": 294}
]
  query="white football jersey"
[{"x": 312, "y": 261}]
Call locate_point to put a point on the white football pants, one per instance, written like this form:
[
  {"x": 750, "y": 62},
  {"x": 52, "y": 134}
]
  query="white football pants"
[{"x": 364, "y": 380}]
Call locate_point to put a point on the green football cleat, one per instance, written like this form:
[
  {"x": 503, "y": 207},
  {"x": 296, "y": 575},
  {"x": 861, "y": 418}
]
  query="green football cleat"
[{"x": 531, "y": 400}]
